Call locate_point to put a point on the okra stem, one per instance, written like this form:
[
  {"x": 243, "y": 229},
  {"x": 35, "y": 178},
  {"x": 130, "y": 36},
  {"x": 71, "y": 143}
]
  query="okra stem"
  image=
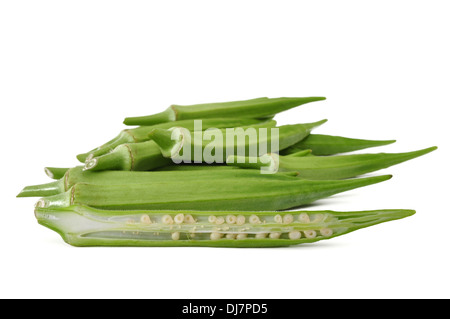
[
  {"x": 87, "y": 226},
  {"x": 327, "y": 167},
  {"x": 255, "y": 108},
  {"x": 233, "y": 191},
  {"x": 55, "y": 172}
]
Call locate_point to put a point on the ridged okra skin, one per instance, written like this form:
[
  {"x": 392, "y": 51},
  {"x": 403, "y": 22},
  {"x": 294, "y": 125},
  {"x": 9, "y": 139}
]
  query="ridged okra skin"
[
  {"x": 87, "y": 226},
  {"x": 255, "y": 108},
  {"x": 180, "y": 145},
  {"x": 327, "y": 167},
  {"x": 143, "y": 156},
  {"x": 321, "y": 144},
  {"x": 177, "y": 172},
  {"x": 231, "y": 190},
  {"x": 140, "y": 134}
]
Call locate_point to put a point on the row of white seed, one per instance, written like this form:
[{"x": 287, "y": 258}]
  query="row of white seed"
[
  {"x": 168, "y": 220},
  {"x": 295, "y": 234},
  {"x": 232, "y": 219}
]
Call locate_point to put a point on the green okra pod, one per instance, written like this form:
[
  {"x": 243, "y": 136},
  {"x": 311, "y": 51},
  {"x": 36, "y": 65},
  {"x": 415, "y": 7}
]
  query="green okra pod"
[
  {"x": 142, "y": 156},
  {"x": 321, "y": 144},
  {"x": 140, "y": 134},
  {"x": 79, "y": 175},
  {"x": 178, "y": 144},
  {"x": 229, "y": 190},
  {"x": 87, "y": 226},
  {"x": 326, "y": 167},
  {"x": 254, "y": 108}
]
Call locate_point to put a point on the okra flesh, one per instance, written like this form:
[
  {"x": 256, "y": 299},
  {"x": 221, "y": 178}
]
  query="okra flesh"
[
  {"x": 321, "y": 144},
  {"x": 87, "y": 226},
  {"x": 328, "y": 167},
  {"x": 140, "y": 134},
  {"x": 229, "y": 190},
  {"x": 255, "y": 108}
]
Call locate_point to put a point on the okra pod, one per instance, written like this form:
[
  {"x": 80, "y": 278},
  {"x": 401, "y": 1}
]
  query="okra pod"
[
  {"x": 326, "y": 167},
  {"x": 87, "y": 226},
  {"x": 140, "y": 134},
  {"x": 79, "y": 175},
  {"x": 254, "y": 108},
  {"x": 142, "y": 156},
  {"x": 178, "y": 144},
  {"x": 232, "y": 191},
  {"x": 321, "y": 144}
]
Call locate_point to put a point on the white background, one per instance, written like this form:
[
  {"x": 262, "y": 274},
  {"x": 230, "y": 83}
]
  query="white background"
[{"x": 70, "y": 71}]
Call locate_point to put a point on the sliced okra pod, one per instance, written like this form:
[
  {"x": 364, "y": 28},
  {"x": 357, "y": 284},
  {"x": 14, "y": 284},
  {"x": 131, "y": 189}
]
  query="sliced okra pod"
[{"x": 87, "y": 226}]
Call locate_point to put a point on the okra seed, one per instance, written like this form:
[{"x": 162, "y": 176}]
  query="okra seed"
[
  {"x": 295, "y": 234},
  {"x": 188, "y": 219},
  {"x": 253, "y": 219},
  {"x": 145, "y": 219},
  {"x": 175, "y": 235},
  {"x": 212, "y": 219},
  {"x": 288, "y": 218},
  {"x": 327, "y": 232},
  {"x": 241, "y": 236},
  {"x": 220, "y": 220},
  {"x": 278, "y": 219},
  {"x": 179, "y": 218},
  {"x": 275, "y": 235},
  {"x": 167, "y": 219},
  {"x": 240, "y": 220},
  {"x": 216, "y": 236},
  {"x": 261, "y": 235},
  {"x": 304, "y": 218},
  {"x": 230, "y": 236},
  {"x": 310, "y": 233},
  {"x": 231, "y": 219}
]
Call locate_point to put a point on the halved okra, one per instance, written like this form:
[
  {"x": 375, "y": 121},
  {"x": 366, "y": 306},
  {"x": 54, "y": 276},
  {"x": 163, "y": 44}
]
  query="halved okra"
[
  {"x": 87, "y": 226},
  {"x": 223, "y": 190},
  {"x": 255, "y": 108},
  {"x": 325, "y": 167}
]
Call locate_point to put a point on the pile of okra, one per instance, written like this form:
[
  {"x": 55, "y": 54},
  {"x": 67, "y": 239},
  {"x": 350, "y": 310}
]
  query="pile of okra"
[{"x": 175, "y": 179}]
